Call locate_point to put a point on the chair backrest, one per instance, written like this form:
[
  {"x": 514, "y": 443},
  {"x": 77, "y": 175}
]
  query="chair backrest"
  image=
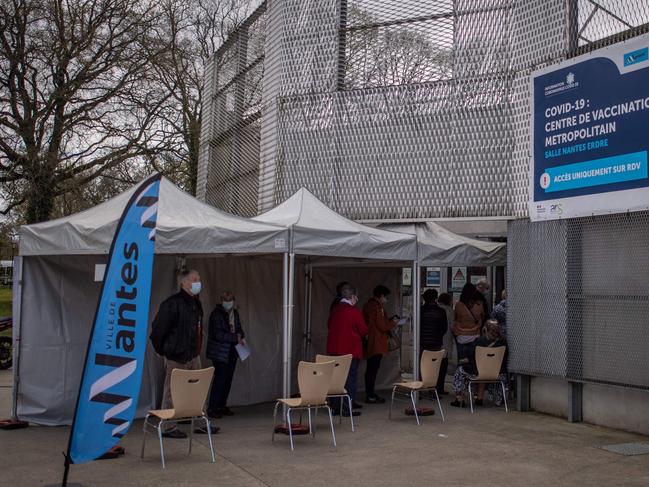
[
  {"x": 314, "y": 381},
  {"x": 488, "y": 360},
  {"x": 189, "y": 390},
  {"x": 341, "y": 371},
  {"x": 429, "y": 365}
]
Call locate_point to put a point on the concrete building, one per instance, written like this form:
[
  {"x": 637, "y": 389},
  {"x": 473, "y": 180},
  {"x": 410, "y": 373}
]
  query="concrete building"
[{"x": 393, "y": 111}]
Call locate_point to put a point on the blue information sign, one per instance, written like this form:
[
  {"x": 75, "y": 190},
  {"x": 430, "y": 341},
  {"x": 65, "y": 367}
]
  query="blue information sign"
[{"x": 589, "y": 120}]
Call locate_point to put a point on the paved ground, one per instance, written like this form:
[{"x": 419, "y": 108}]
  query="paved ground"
[{"x": 490, "y": 447}]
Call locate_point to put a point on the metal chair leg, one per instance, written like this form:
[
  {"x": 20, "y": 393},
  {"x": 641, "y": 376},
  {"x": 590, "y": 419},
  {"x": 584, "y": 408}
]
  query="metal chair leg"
[
  {"x": 209, "y": 436},
  {"x": 162, "y": 450},
  {"x": 331, "y": 423},
  {"x": 414, "y": 406},
  {"x": 470, "y": 397},
  {"x": 439, "y": 405},
  {"x": 391, "y": 402},
  {"x": 272, "y": 438},
  {"x": 311, "y": 431},
  {"x": 290, "y": 430},
  {"x": 191, "y": 435},
  {"x": 146, "y": 418},
  {"x": 351, "y": 415},
  {"x": 504, "y": 395}
]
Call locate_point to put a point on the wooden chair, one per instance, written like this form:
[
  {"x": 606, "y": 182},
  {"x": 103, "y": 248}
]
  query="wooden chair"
[
  {"x": 188, "y": 393},
  {"x": 430, "y": 366},
  {"x": 314, "y": 380},
  {"x": 488, "y": 361},
  {"x": 337, "y": 387}
]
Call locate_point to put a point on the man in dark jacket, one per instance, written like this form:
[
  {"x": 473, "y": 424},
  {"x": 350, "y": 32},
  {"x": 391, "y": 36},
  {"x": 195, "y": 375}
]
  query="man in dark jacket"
[
  {"x": 224, "y": 333},
  {"x": 177, "y": 334},
  {"x": 433, "y": 327}
]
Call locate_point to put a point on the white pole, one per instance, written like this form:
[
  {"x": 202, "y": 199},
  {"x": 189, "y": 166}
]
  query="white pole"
[
  {"x": 285, "y": 391},
  {"x": 305, "y": 336},
  {"x": 416, "y": 284},
  {"x": 289, "y": 324},
  {"x": 17, "y": 293},
  {"x": 308, "y": 317}
]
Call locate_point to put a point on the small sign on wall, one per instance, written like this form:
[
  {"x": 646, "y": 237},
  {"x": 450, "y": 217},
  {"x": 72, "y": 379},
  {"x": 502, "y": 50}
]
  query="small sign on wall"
[
  {"x": 458, "y": 277},
  {"x": 100, "y": 270}
]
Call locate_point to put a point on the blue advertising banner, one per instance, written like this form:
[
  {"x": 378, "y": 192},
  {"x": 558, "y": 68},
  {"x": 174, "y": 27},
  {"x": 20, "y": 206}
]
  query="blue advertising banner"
[
  {"x": 589, "y": 119},
  {"x": 110, "y": 384}
]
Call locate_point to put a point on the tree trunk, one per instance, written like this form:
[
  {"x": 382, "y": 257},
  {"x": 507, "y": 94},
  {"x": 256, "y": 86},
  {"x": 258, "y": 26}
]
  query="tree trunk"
[
  {"x": 193, "y": 152},
  {"x": 40, "y": 199}
]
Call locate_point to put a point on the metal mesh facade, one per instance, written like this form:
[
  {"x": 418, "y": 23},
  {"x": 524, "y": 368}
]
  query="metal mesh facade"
[
  {"x": 389, "y": 109},
  {"x": 579, "y": 299},
  {"x": 409, "y": 109}
]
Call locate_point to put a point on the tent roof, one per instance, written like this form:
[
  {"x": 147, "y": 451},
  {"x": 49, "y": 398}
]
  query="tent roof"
[
  {"x": 438, "y": 246},
  {"x": 185, "y": 225},
  {"x": 318, "y": 230}
]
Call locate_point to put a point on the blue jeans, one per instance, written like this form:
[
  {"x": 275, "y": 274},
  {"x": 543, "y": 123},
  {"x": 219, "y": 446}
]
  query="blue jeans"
[{"x": 350, "y": 385}]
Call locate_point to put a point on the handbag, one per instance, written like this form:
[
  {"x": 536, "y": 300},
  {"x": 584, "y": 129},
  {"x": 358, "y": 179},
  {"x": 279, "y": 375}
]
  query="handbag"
[{"x": 394, "y": 341}]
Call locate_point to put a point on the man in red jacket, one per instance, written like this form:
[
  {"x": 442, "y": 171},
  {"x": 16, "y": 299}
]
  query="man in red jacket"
[{"x": 346, "y": 331}]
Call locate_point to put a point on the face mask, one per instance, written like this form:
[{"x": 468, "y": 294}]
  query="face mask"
[
  {"x": 196, "y": 288},
  {"x": 228, "y": 305}
]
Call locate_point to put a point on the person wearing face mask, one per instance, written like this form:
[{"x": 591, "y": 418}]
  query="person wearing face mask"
[
  {"x": 347, "y": 329},
  {"x": 177, "y": 335},
  {"x": 224, "y": 333},
  {"x": 379, "y": 326}
]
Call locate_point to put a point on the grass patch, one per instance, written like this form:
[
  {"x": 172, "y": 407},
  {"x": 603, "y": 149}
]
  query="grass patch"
[
  {"x": 5, "y": 307},
  {"x": 5, "y": 301}
]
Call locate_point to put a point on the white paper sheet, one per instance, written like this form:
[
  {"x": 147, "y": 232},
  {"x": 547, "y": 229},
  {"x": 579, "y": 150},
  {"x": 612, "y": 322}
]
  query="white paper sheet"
[{"x": 243, "y": 350}]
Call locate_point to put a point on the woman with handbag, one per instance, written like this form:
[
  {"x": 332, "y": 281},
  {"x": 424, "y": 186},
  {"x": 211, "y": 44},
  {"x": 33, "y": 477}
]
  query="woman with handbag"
[
  {"x": 379, "y": 326},
  {"x": 468, "y": 319}
]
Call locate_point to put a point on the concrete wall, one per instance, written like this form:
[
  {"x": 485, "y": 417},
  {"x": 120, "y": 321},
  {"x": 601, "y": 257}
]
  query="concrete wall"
[
  {"x": 548, "y": 395},
  {"x": 616, "y": 407},
  {"x": 613, "y": 407}
]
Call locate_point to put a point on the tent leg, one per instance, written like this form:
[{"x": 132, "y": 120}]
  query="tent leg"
[
  {"x": 289, "y": 320},
  {"x": 308, "y": 314},
  {"x": 416, "y": 284},
  {"x": 307, "y": 299},
  {"x": 17, "y": 329},
  {"x": 285, "y": 372}
]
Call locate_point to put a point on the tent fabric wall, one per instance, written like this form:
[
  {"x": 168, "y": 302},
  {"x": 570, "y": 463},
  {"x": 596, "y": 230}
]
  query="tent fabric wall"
[
  {"x": 256, "y": 284},
  {"x": 364, "y": 279},
  {"x": 59, "y": 298}
]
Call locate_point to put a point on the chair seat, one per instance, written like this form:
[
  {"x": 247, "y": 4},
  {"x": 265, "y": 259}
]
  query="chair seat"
[
  {"x": 476, "y": 379},
  {"x": 164, "y": 413},
  {"x": 297, "y": 402},
  {"x": 337, "y": 393},
  {"x": 417, "y": 384}
]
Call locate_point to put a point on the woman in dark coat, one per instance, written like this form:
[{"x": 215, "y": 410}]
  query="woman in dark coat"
[{"x": 224, "y": 333}]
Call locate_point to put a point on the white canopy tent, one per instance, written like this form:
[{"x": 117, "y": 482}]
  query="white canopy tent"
[
  {"x": 317, "y": 230},
  {"x": 56, "y": 294},
  {"x": 185, "y": 226},
  {"x": 437, "y": 246}
]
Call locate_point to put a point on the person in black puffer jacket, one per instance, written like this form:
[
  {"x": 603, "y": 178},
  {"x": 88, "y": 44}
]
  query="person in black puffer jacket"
[
  {"x": 224, "y": 333},
  {"x": 433, "y": 327}
]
